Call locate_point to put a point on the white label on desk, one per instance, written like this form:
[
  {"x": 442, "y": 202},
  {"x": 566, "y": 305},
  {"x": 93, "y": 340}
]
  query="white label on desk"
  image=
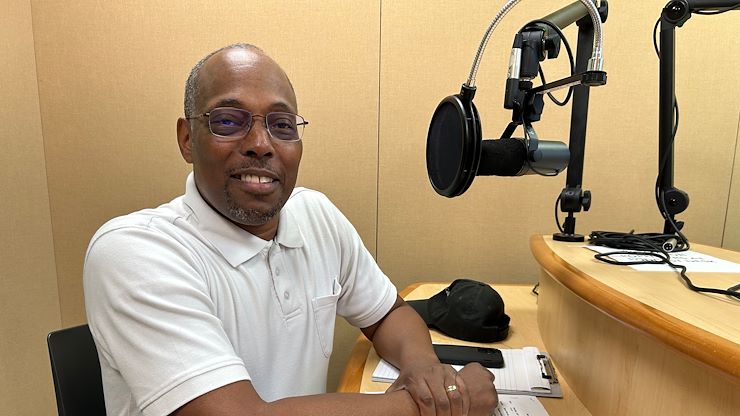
[
  {"x": 693, "y": 261},
  {"x": 517, "y": 405}
]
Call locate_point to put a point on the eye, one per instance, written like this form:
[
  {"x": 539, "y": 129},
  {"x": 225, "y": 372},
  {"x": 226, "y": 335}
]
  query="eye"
[
  {"x": 227, "y": 120},
  {"x": 283, "y": 123}
]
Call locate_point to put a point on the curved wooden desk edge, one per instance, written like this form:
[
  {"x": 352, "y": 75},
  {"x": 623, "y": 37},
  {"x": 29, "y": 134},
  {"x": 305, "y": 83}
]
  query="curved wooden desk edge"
[
  {"x": 703, "y": 346},
  {"x": 352, "y": 375}
]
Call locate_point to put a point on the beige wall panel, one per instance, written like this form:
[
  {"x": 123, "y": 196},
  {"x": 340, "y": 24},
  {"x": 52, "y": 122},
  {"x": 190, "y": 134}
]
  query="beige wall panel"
[
  {"x": 29, "y": 306},
  {"x": 426, "y": 55},
  {"x": 111, "y": 77},
  {"x": 707, "y": 85},
  {"x": 731, "y": 238}
]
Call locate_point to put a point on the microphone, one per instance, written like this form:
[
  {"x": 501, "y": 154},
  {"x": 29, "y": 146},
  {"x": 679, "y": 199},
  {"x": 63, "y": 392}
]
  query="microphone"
[
  {"x": 508, "y": 157},
  {"x": 456, "y": 153},
  {"x": 511, "y": 93},
  {"x": 502, "y": 157}
]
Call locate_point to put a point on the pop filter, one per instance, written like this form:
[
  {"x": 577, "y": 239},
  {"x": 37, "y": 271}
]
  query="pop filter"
[
  {"x": 454, "y": 144},
  {"x": 456, "y": 153}
]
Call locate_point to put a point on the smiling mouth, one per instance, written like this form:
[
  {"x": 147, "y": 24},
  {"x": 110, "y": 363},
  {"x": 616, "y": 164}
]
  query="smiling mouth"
[{"x": 254, "y": 179}]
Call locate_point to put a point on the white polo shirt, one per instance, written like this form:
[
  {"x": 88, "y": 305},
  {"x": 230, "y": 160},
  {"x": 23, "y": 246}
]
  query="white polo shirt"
[{"x": 180, "y": 301}]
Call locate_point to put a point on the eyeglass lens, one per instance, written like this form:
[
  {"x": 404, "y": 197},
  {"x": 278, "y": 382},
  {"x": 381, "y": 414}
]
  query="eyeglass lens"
[{"x": 234, "y": 123}]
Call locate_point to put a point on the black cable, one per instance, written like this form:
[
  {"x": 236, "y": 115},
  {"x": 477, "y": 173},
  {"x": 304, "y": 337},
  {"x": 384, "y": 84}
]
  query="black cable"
[
  {"x": 664, "y": 258},
  {"x": 713, "y": 12},
  {"x": 660, "y": 197},
  {"x": 557, "y": 220},
  {"x": 650, "y": 245},
  {"x": 655, "y": 38},
  {"x": 567, "y": 97},
  {"x": 570, "y": 58},
  {"x": 632, "y": 241}
]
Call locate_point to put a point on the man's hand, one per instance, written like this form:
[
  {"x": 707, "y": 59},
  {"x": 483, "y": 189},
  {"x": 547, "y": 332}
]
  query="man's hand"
[
  {"x": 477, "y": 381},
  {"x": 402, "y": 339},
  {"x": 436, "y": 389}
]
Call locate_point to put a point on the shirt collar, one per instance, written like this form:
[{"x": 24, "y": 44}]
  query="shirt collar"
[{"x": 235, "y": 244}]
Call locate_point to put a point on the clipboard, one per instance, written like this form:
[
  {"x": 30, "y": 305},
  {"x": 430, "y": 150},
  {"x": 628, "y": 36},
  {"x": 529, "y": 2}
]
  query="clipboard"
[
  {"x": 526, "y": 371},
  {"x": 534, "y": 375}
]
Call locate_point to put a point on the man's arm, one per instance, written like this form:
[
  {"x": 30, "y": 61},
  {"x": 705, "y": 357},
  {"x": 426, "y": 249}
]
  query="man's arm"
[
  {"x": 411, "y": 351},
  {"x": 240, "y": 399},
  {"x": 402, "y": 339}
]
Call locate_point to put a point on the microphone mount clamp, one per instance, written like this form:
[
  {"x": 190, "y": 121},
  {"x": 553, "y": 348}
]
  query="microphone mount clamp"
[{"x": 533, "y": 44}]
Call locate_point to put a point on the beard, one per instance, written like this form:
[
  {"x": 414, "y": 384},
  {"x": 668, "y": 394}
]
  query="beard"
[{"x": 250, "y": 216}]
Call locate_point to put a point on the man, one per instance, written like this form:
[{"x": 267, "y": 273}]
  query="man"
[{"x": 222, "y": 302}]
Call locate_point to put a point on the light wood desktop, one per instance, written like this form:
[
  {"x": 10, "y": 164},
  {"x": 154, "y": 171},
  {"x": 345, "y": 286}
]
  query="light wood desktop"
[
  {"x": 639, "y": 343},
  {"x": 521, "y": 306}
]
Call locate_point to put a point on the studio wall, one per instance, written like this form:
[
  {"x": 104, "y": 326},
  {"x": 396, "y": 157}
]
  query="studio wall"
[
  {"x": 111, "y": 78},
  {"x": 731, "y": 235},
  {"x": 29, "y": 300},
  {"x": 484, "y": 234},
  {"x": 93, "y": 91}
]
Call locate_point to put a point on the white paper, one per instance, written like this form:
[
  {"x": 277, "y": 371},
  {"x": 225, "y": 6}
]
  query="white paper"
[
  {"x": 694, "y": 262},
  {"x": 512, "y": 405},
  {"x": 385, "y": 372},
  {"x": 535, "y": 381},
  {"x": 521, "y": 372},
  {"x": 517, "y": 405}
]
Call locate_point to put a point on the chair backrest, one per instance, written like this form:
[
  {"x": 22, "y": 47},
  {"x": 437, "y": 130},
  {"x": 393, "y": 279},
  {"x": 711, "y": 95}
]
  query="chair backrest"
[{"x": 76, "y": 372}]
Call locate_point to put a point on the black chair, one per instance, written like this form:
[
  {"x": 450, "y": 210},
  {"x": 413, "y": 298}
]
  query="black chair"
[{"x": 76, "y": 372}]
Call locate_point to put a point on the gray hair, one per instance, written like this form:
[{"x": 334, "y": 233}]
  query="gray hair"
[{"x": 191, "y": 85}]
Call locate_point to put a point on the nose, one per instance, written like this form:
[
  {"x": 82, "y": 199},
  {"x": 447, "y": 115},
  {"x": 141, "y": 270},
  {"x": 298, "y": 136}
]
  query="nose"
[{"x": 257, "y": 142}]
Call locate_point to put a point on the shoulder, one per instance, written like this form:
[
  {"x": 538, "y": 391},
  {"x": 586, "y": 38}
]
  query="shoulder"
[
  {"x": 141, "y": 230},
  {"x": 152, "y": 248},
  {"x": 306, "y": 196},
  {"x": 308, "y": 205}
]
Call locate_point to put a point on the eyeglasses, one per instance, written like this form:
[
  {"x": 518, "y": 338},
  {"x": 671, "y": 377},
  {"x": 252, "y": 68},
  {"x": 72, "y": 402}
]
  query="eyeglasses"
[{"x": 230, "y": 124}]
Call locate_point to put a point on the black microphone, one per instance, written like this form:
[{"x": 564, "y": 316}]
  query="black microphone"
[
  {"x": 456, "y": 152},
  {"x": 508, "y": 157},
  {"x": 502, "y": 157}
]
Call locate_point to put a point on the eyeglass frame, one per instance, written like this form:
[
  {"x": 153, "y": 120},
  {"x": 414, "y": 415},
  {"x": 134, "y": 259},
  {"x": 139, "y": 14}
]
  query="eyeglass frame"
[{"x": 252, "y": 116}]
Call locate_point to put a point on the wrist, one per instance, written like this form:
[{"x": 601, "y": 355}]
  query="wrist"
[
  {"x": 417, "y": 359},
  {"x": 404, "y": 404}
]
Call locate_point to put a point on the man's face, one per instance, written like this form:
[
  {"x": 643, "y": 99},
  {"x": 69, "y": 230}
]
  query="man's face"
[{"x": 247, "y": 180}]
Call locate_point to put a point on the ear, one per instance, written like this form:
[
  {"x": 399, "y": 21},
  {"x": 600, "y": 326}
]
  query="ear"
[{"x": 185, "y": 139}]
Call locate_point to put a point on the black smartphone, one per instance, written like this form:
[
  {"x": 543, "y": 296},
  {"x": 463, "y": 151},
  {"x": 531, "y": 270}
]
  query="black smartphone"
[{"x": 461, "y": 355}]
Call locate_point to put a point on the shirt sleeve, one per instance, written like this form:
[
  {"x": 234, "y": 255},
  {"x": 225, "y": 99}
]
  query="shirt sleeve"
[
  {"x": 153, "y": 320},
  {"x": 367, "y": 293}
]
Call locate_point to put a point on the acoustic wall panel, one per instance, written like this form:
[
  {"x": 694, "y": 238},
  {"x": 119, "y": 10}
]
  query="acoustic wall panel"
[
  {"x": 29, "y": 303},
  {"x": 426, "y": 54}
]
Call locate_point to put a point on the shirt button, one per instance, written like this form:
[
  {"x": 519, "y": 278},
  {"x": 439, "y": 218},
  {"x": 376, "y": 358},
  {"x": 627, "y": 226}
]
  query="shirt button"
[
  {"x": 277, "y": 272},
  {"x": 286, "y": 295}
]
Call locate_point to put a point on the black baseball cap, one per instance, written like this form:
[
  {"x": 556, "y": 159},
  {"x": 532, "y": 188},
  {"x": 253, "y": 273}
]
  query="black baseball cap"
[{"x": 467, "y": 310}]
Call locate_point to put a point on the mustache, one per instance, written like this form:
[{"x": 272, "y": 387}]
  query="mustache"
[{"x": 255, "y": 164}]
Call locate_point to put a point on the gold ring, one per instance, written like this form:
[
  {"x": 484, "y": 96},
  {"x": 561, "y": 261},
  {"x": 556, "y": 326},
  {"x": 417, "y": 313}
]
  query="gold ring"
[{"x": 451, "y": 388}]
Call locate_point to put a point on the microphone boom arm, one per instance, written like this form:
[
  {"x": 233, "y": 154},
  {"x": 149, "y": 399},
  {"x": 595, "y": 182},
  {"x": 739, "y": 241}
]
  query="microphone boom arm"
[
  {"x": 671, "y": 200},
  {"x": 572, "y": 198}
]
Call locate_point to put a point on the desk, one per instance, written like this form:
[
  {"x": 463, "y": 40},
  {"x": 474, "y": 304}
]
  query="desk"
[
  {"x": 521, "y": 306},
  {"x": 639, "y": 343}
]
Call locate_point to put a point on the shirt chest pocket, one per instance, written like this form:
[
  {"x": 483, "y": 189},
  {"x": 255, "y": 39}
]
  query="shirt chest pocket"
[{"x": 325, "y": 315}]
